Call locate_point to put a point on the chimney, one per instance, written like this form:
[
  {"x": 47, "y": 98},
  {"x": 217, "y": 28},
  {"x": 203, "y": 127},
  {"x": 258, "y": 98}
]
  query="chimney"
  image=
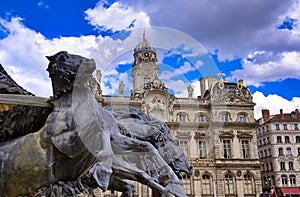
[
  {"x": 211, "y": 81},
  {"x": 297, "y": 113},
  {"x": 265, "y": 115},
  {"x": 202, "y": 86},
  {"x": 281, "y": 113}
]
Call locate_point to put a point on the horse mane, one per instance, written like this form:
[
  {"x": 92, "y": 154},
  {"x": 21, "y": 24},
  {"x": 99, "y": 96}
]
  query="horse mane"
[{"x": 18, "y": 120}]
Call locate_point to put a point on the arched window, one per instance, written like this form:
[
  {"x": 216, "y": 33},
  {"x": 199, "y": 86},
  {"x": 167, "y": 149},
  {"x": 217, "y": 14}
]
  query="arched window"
[
  {"x": 206, "y": 184},
  {"x": 248, "y": 184},
  {"x": 284, "y": 180},
  {"x": 182, "y": 117},
  {"x": 229, "y": 184},
  {"x": 186, "y": 180},
  {"x": 293, "y": 179},
  {"x": 225, "y": 116},
  {"x": 200, "y": 118},
  {"x": 242, "y": 117}
]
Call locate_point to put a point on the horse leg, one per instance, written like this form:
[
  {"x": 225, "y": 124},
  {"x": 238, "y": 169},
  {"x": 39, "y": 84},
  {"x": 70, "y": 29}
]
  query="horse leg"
[
  {"x": 125, "y": 170},
  {"x": 173, "y": 184},
  {"x": 117, "y": 184}
]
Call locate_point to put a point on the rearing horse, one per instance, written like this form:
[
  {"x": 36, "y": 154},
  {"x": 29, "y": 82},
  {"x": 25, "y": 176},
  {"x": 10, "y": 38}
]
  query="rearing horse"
[{"x": 79, "y": 139}]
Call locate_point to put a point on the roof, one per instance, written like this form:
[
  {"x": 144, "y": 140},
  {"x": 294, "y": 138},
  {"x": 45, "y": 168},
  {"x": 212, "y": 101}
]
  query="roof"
[
  {"x": 144, "y": 46},
  {"x": 286, "y": 117}
]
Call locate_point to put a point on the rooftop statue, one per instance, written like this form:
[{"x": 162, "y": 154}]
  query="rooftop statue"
[{"x": 81, "y": 145}]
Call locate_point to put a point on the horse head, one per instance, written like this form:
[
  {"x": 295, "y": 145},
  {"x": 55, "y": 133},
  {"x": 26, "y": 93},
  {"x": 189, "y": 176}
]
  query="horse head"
[
  {"x": 65, "y": 69},
  {"x": 175, "y": 157}
]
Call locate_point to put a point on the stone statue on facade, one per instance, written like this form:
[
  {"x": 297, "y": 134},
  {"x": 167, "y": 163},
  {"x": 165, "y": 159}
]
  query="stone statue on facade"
[
  {"x": 121, "y": 89},
  {"x": 190, "y": 91}
]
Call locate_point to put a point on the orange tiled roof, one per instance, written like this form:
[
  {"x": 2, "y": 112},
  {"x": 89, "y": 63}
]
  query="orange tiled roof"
[{"x": 286, "y": 117}]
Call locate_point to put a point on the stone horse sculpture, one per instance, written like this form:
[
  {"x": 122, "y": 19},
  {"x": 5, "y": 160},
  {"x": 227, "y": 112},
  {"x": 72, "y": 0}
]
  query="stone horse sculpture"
[{"x": 79, "y": 141}]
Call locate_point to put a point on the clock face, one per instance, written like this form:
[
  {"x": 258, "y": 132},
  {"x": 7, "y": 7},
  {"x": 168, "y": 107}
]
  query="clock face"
[{"x": 146, "y": 54}]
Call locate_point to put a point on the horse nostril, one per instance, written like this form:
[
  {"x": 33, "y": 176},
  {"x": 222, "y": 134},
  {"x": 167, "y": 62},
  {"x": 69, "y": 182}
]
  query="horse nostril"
[{"x": 191, "y": 167}]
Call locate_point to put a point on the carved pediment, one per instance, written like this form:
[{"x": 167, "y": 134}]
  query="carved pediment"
[
  {"x": 244, "y": 134},
  {"x": 199, "y": 135},
  {"x": 232, "y": 98},
  {"x": 183, "y": 134},
  {"x": 226, "y": 134}
]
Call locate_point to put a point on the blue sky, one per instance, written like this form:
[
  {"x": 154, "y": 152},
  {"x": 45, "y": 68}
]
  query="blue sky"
[{"x": 257, "y": 41}]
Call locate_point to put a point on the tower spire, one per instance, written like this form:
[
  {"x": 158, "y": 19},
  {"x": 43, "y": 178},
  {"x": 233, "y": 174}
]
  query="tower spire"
[{"x": 144, "y": 36}]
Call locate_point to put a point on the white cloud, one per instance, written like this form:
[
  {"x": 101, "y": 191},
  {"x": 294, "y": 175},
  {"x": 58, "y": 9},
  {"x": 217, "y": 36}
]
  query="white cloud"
[
  {"x": 116, "y": 17},
  {"x": 273, "y": 103},
  {"x": 183, "y": 69},
  {"x": 26, "y": 61},
  {"x": 286, "y": 65}
]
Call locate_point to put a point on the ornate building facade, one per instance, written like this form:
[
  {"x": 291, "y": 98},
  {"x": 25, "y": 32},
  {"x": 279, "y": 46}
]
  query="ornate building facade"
[
  {"x": 216, "y": 130},
  {"x": 279, "y": 150}
]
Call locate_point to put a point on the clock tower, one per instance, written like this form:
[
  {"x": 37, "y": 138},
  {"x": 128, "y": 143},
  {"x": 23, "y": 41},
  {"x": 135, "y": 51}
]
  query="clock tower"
[{"x": 144, "y": 68}]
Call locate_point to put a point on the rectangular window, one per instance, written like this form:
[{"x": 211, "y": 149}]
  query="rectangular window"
[
  {"x": 227, "y": 149},
  {"x": 186, "y": 180},
  {"x": 269, "y": 153},
  {"x": 245, "y": 149},
  {"x": 279, "y": 139},
  {"x": 287, "y": 139},
  {"x": 291, "y": 165},
  {"x": 282, "y": 166},
  {"x": 297, "y": 139},
  {"x": 206, "y": 184},
  {"x": 285, "y": 127},
  {"x": 280, "y": 151},
  {"x": 296, "y": 127},
  {"x": 248, "y": 184},
  {"x": 183, "y": 144},
  {"x": 229, "y": 184},
  {"x": 288, "y": 151},
  {"x": 202, "y": 149},
  {"x": 298, "y": 151},
  {"x": 260, "y": 143},
  {"x": 271, "y": 167},
  {"x": 277, "y": 127}
]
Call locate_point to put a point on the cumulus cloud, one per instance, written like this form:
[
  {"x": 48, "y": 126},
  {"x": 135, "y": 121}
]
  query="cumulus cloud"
[
  {"x": 26, "y": 61},
  {"x": 183, "y": 69},
  {"x": 273, "y": 103},
  {"x": 117, "y": 17},
  {"x": 234, "y": 28},
  {"x": 256, "y": 71}
]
